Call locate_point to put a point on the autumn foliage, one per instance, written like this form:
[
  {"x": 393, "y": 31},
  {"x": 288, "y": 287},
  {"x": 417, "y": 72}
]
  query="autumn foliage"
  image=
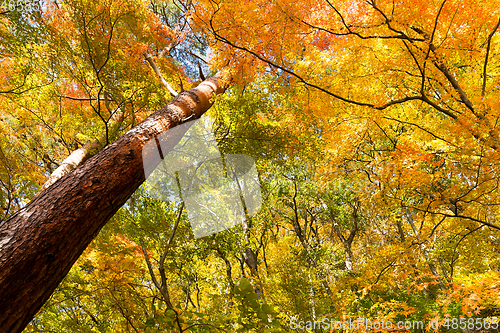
[{"x": 374, "y": 126}]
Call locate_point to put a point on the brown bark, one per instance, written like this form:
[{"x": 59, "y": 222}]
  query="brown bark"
[{"x": 40, "y": 243}]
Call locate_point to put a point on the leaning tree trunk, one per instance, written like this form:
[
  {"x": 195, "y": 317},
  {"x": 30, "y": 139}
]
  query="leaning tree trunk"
[{"x": 40, "y": 243}]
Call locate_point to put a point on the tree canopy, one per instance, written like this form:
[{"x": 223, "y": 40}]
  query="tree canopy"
[{"x": 374, "y": 130}]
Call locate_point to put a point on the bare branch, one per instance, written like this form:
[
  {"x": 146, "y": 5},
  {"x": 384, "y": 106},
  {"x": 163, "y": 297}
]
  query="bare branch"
[
  {"x": 84, "y": 98},
  {"x": 451, "y": 79},
  {"x": 486, "y": 58},
  {"x": 195, "y": 55},
  {"x": 391, "y": 264},
  {"x": 357, "y": 34},
  {"x": 421, "y": 128},
  {"x": 150, "y": 267},
  {"x": 202, "y": 76}
]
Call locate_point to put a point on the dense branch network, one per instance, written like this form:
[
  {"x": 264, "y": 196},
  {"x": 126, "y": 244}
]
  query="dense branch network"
[{"x": 426, "y": 94}]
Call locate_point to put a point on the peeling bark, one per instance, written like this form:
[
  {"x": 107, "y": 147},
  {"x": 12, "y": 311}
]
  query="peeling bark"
[{"x": 40, "y": 243}]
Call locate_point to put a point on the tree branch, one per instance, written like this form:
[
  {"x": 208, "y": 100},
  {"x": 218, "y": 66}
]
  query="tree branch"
[
  {"x": 344, "y": 99},
  {"x": 488, "y": 48},
  {"x": 443, "y": 69},
  {"x": 151, "y": 62},
  {"x": 161, "y": 267},
  {"x": 85, "y": 98}
]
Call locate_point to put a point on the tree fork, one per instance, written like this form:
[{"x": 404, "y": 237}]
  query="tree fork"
[{"x": 40, "y": 242}]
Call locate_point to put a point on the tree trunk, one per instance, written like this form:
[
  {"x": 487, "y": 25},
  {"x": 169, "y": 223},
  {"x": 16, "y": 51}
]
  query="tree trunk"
[{"x": 40, "y": 243}]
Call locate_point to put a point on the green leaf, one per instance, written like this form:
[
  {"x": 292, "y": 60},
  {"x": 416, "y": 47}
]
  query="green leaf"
[
  {"x": 150, "y": 322},
  {"x": 266, "y": 308}
]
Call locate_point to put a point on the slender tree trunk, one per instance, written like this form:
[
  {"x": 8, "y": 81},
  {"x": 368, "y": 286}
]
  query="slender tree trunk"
[
  {"x": 40, "y": 243},
  {"x": 347, "y": 242},
  {"x": 312, "y": 295},
  {"x": 229, "y": 275},
  {"x": 425, "y": 252}
]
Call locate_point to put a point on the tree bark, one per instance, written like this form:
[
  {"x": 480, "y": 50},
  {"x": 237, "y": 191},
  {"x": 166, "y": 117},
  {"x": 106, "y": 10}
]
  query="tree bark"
[{"x": 40, "y": 243}]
